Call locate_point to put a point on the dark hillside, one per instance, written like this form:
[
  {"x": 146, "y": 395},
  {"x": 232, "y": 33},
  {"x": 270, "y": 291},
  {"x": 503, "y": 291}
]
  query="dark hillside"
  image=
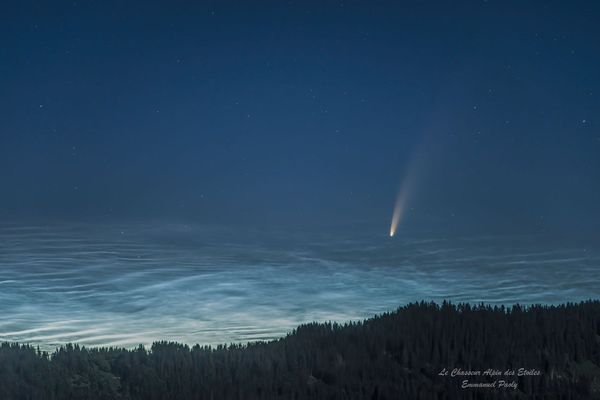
[{"x": 397, "y": 355}]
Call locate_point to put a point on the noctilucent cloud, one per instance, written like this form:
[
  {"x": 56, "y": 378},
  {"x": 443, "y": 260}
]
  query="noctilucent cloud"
[{"x": 220, "y": 172}]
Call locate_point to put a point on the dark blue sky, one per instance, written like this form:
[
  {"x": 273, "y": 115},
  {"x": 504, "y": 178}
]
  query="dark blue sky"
[{"x": 292, "y": 113}]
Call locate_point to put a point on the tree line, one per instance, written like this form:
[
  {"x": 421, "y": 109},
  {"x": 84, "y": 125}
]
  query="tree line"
[{"x": 396, "y": 355}]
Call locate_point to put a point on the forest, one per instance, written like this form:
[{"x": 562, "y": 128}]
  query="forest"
[{"x": 396, "y": 355}]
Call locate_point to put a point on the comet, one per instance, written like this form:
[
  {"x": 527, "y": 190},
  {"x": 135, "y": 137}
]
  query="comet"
[
  {"x": 399, "y": 207},
  {"x": 403, "y": 196},
  {"x": 419, "y": 162}
]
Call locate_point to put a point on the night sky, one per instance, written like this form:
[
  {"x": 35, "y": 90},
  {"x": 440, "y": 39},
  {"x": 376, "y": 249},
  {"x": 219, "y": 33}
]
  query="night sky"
[{"x": 302, "y": 113}]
